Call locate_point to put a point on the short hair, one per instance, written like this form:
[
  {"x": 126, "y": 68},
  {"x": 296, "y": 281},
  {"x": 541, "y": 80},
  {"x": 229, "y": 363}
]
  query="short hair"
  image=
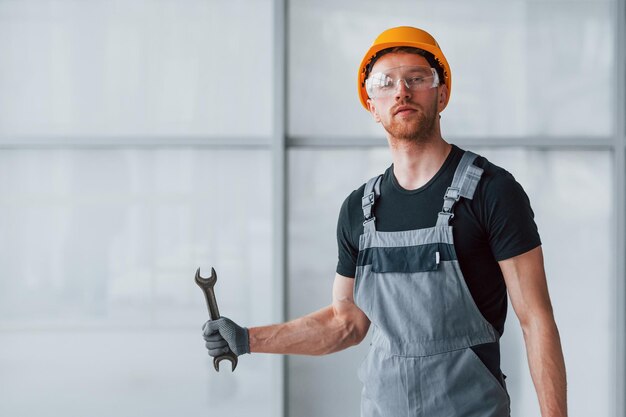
[{"x": 409, "y": 50}]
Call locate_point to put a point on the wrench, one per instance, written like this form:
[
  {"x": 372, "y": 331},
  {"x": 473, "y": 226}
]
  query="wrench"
[{"x": 207, "y": 285}]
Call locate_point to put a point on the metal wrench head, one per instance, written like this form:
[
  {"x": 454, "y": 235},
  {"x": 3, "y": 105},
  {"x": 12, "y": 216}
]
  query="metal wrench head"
[
  {"x": 206, "y": 282},
  {"x": 230, "y": 356}
]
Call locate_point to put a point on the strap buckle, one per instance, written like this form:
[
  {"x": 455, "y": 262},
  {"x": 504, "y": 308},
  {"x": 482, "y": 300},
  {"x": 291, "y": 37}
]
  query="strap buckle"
[
  {"x": 449, "y": 214},
  {"x": 367, "y": 200},
  {"x": 371, "y": 219},
  {"x": 366, "y": 203},
  {"x": 453, "y": 193}
]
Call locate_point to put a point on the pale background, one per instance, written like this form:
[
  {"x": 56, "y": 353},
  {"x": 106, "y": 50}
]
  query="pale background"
[{"x": 141, "y": 139}]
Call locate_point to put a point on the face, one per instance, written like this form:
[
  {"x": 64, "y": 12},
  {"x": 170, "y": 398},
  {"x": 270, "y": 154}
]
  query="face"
[{"x": 407, "y": 115}]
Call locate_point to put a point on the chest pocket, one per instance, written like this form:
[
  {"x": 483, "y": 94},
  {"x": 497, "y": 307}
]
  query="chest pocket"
[{"x": 420, "y": 258}]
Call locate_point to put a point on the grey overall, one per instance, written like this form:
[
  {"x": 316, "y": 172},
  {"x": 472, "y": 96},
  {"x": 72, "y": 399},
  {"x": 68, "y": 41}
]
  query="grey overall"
[{"x": 424, "y": 318}]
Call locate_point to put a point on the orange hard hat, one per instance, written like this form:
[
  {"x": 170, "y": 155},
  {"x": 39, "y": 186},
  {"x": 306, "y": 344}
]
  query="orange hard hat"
[{"x": 403, "y": 36}]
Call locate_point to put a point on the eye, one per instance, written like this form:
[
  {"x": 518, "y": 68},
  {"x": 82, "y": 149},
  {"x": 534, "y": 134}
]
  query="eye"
[
  {"x": 415, "y": 80},
  {"x": 385, "y": 82}
]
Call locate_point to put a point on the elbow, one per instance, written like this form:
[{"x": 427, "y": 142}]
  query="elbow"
[
  {"x": 349, "y": 331},
  {"x": 538, "y": 324},
  {"x": 362, "y": 332},
  {"x": 356, "y": 330}
]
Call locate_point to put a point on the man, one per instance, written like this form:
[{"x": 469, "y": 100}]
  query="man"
[{"x": 427, "y": 251}]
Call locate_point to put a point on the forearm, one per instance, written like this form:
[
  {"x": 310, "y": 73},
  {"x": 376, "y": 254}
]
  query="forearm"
[
  {"x": 547, "y": 367},
  {"x": 318, "y": 333}
]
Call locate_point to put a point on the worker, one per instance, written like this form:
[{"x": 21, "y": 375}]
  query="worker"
[{"x": 427, "y": 253}]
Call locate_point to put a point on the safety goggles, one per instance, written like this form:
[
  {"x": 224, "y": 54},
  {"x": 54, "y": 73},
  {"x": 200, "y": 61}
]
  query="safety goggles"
[{"x": 415, "y": 78}]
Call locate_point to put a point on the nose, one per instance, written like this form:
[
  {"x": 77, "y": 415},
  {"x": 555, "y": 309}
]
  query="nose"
[{"x": 402, "y": 90}]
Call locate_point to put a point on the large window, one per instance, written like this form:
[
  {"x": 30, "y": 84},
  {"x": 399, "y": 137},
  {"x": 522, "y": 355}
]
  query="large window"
[
  {"x": 99, "y": 312},
  {"x": 519, "y": 68},
  {"x": 138, "y": 68}
]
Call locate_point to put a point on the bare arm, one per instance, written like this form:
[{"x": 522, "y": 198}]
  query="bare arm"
[
  {"x": 526, "y": 282},
  {"x": 333, "y": 328}
]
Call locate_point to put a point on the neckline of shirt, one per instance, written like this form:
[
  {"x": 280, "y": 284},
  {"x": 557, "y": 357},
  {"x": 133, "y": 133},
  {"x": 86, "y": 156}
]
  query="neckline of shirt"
[{"x": 397, "y": 187}]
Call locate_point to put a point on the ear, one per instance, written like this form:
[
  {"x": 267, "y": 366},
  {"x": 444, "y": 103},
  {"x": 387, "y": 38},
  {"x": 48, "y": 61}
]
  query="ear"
[
  {"x": 443, "y": 97},
  {"x": 372, "y": 108}
]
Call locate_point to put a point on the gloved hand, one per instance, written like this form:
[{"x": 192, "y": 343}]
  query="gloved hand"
[{"x": 224, "y": 333}]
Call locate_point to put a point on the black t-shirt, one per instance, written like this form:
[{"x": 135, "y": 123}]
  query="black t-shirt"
[{"x": 497, "y": 224}]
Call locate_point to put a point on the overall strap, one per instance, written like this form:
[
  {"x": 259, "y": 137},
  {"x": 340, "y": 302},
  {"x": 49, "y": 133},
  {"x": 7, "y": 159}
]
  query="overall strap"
[
  {"x": 370, "y": 193},
  {"x": 464, "y": 184}
]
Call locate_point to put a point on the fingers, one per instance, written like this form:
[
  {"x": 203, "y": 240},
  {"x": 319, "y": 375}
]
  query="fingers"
[
  {"x": 219, "y": 344},
  {"x": 218, "y": 352},
  {"x": 213, "y": 337},
  {"x": 211, "y": 326},
  {"x": 223, "y": 335},
  {"x": 216, "y": 344}
]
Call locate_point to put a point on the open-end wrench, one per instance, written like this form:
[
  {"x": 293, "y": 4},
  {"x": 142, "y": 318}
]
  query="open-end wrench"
[{"x": 207, "y": 285}]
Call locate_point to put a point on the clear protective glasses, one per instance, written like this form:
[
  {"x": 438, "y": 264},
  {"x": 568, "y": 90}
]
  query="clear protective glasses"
[{"x": 415, "y": 78}]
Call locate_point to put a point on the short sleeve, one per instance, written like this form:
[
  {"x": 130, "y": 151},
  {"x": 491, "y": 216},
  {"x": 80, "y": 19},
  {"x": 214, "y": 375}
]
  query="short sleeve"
[
  {"x": 508, "y": 217},
  {"x": 347, "y": 252}
]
